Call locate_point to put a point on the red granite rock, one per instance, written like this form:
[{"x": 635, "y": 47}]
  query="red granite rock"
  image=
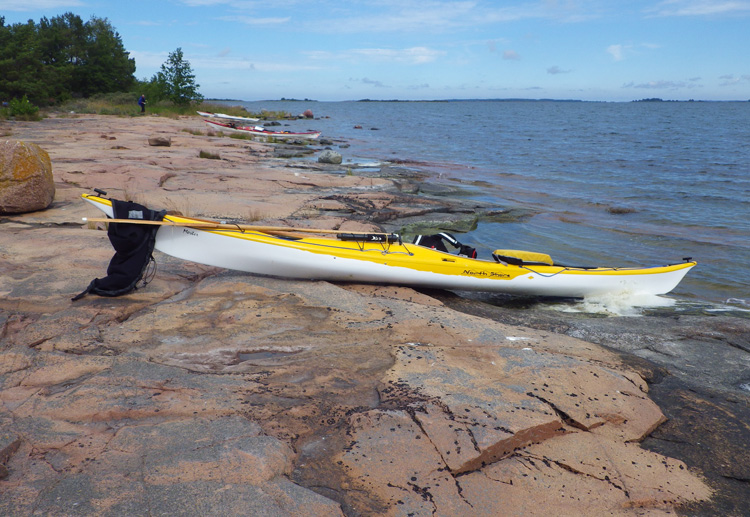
[{"x": 26, "y": 182}]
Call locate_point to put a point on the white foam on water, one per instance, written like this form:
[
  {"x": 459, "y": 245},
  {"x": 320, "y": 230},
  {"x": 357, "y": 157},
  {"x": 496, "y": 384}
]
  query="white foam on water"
[
  {"x": 731, "y": 305},
  {"x": 738, "y": 304},
  {"x": 619, "y": 304}
]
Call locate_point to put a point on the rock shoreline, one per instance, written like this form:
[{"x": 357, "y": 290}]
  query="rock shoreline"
[{"x": 217, "y": 392}]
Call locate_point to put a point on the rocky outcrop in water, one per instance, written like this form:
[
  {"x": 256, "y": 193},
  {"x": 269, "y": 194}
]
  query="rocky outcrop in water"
[{"x": 328, "y": 156}]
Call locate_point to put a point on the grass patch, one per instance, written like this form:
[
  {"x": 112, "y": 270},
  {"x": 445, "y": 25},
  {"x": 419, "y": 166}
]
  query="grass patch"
[
  {"x": 126, "y": 105},
  {"x": 180, "y": 206},
  {"x": 208, "y": 155},
  {"x": 237, "y": 136},
  {"x": 240, "y": 111},
  {"x": 274, "y": 115},
  {"x": 256, "y": 215}
]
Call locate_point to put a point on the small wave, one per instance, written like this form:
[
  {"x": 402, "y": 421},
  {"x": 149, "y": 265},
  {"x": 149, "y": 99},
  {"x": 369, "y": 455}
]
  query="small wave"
[{"x": 732, "y": 305}]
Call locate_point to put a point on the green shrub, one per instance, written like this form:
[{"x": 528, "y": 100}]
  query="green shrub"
[{"x": 23, "y": 109}]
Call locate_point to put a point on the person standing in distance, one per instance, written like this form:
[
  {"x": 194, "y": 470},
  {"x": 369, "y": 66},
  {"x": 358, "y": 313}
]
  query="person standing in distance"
[{"x": 142, "y": 103}]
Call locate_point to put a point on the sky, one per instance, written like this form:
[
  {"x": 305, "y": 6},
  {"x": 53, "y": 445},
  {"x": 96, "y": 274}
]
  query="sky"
[{"x": 595, "y": 50}]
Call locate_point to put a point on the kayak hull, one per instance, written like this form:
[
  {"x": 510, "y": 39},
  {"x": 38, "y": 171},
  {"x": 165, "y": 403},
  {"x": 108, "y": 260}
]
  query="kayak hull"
[
  {"x": 228, "y": 118},
  {"x": 331, "y": 259},
  {"x": 255, "y": 131}
]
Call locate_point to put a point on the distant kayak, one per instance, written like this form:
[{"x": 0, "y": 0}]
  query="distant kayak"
[
  {"x": 385, "y": 259},
  {"x": 229, "y": 118},
  {"x": 261, "y": 131}
]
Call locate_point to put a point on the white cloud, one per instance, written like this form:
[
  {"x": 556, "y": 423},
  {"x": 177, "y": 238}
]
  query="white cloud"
[
  {"x": 511, "y": 55},
  {"x": 619, "y": 51},
  {"x": 148, "y": 59},
  {"x": 38, "y": 5},
  {"x": 369, "y": 82},
  {"x": 239, "y": 64},
  {"x": 554, "y": 70},
  {"x": 732, "y": 80},
  {"x": 411, "y": 56},
  {"x": 616, "y": 51},
  {"x": 436, "y": 16},
  {"x": 660, "y": 85},
  {"x": 236, "y": 4},
  {"x": 154, "y": 60},
  {"x": 700, "y": 8},
  {"x": 249, "y": 20}
]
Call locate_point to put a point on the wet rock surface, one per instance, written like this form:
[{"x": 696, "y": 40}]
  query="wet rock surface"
[{"x": 213, "y": 391}]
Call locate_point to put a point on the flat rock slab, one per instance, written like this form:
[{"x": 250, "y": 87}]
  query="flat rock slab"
[
  {"x": 461, "y": 431},
  {"x": 223, "y": 384}
]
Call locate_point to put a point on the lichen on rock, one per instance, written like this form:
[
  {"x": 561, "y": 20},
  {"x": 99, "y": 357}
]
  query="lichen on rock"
[{"x": 26, "y": 182}]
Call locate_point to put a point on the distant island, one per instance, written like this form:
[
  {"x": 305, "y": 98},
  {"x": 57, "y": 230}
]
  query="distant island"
[
  {"x": 656, "y": 99},
  {"x": 476, "y": 100}
]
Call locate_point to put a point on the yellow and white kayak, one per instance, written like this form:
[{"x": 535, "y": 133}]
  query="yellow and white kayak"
[{"x": 380, "y": 258}]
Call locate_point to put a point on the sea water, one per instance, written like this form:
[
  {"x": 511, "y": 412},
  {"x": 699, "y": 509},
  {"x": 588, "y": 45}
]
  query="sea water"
[{"x": 626, "y": 184}]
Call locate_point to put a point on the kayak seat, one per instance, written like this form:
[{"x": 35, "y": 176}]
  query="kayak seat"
[{"x": 522, "y": 258}]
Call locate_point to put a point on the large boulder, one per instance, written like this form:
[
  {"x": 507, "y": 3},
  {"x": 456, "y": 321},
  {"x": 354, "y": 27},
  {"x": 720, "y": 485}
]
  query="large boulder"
[
  {"x": 160, "y": 141},
  {"x": 26, "y": 182},
  {"x": 329, "y": 156}
]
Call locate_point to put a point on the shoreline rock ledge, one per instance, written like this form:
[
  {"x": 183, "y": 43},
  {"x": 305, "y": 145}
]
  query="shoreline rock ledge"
[
  {"x": 214, "y": 392},
  {"x": 395, "y": 405}
]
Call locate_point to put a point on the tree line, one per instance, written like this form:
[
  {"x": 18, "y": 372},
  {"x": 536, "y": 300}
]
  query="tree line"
[{"x": 63, "y": 57}]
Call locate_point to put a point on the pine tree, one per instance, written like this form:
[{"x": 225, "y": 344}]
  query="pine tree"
[
  {"x": 106, "y": 65},
  {"x": 178, "y": 79},
  {"x": 62, "y": 57}
]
